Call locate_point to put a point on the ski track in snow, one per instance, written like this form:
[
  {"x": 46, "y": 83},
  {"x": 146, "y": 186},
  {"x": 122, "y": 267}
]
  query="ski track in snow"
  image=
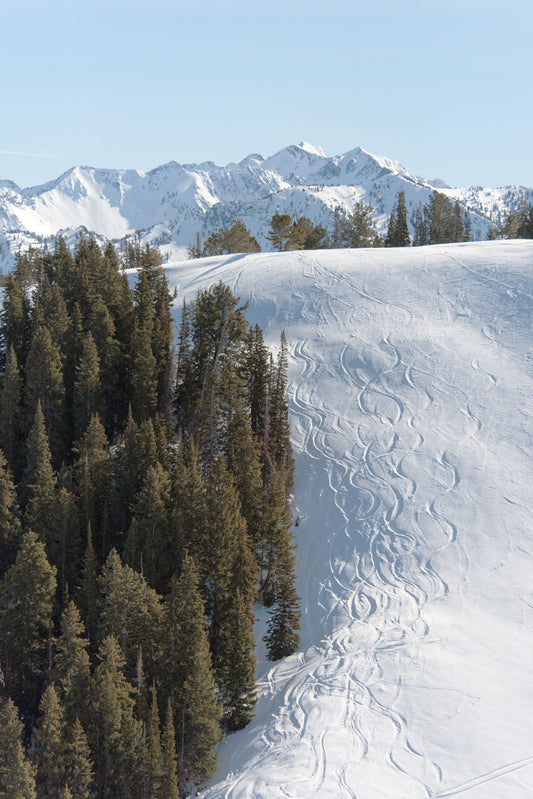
[{"x": 396, "y": 410}]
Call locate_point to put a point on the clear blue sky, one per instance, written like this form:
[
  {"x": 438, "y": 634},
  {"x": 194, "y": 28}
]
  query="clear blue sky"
[{"x": 444, "y": 86}]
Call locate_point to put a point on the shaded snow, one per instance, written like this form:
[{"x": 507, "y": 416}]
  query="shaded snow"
[{"x": 411, "y": 399}]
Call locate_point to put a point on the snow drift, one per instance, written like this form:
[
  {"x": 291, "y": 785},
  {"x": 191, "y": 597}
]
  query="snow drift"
[{"x": 411, "y": 398}]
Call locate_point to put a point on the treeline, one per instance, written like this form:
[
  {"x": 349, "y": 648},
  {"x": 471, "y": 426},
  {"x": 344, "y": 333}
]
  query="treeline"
[
  {"x": 436, "y": 222},
  {"x": 517, "y": 224},
  {"x": 144, "y": 508}
]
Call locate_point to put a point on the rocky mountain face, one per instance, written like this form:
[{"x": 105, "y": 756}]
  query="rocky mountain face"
[{"x": 173, "y": 202}]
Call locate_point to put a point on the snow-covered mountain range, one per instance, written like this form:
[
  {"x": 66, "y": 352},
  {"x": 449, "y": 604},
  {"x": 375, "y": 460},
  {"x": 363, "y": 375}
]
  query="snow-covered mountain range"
[
  {"x": 173, "y": 202},
  {"x": 411, "y": 401}
]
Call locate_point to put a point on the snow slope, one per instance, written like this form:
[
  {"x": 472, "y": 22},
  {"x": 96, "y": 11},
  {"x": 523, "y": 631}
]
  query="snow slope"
[
  {"x": 411, "y": 398},
  {"x": 174, "y": 202}
]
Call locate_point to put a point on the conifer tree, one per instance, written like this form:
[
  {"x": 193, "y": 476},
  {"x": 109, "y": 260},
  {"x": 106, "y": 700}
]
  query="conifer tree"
[
  {"x": 89, "y": 596},
  {"x": 188, "y": 511},
  {"x": 398, "y": 232},
  {"x": 72, "y": 668},
  {"x": 236, "y": 662},
  {"x": 233, "y": 238},
  {"x": 256, "y": 373},
  {"x": 15, "y": 327},
  {"x": 277, "y": 588},
  {"x": 131, "y": 611},
  {"x": 63, "y": 545},
  {"x": 115, "y": 733},
  {"x": 17, "y": 780},
  {"x": 9, "y": 517},
  {"x": 93, "y": 473},
  {"x": 88, "y": 399},
  {"x": 280, "y": 231},
  {"x": 49, "y": 746},
  {"x": 153, "y": 768},
  {"x": 78, "y": 765},
  {"x": 187, "y": 678},
  {"x": 44, "y": 384},
  {"x": 143, "y": 376},
  {"x": 149, "y": 537},
  {"x": 11, "y": 414},
  {"x": 40, "y": 479},
  {"x": 358, "y": 228},
  {"x": 169, "y": 780},
  {"x": 280, "y": 449},
  {"x": 26, "y": 605},
  {"x": 231, "y": 576}
]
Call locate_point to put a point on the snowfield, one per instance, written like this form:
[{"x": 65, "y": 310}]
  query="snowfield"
[{"x": 411, "y": 398}]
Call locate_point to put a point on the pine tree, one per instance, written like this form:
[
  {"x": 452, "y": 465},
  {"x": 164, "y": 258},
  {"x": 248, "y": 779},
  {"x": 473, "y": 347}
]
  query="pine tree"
[
  {"x": 149, "y": 537},
  {"x": 131, "y": 611},
  {"x": 236, "y": 662},
  {"x": 169, "y": 780},
  {"x": 40, "y": 480},
  {"x": 15, "y": 328},
  {"x": 358, "y": 228},
  {"x": 17, "y": 780},
  {"x": 282, "y": 639},
  {"x": 89, "y": 595},
  {"x": 280, "y": 231},
  {"x": 11, "y": 414},
  {"x": 44, "y": 384},
  {"x": 88, "y": 399},
  {"x": 234, "y": 238},
  {"x": 49, "y": 746},
  {"x": 72, "y": 668},
  {"x": 143, "y": 376},
  {"x": 153, "y": 756},
  {"x": 278, "y": 584},
  {"x": 9, "y": 517},
  {"x": 115, "y": 734},
  {"x": 231, "y": 576},
  {"x": 401, "y": 228},
  {"x": 93, "y": 474},
  {"x": 78, "y": 765},
  {"x": 280, "y": 449},
  {"x": 187, "y": 677},
  {"x": 26, "y": 605},
  {"x": 256, "y": 374},
  {"x": 188, "y": 511}
]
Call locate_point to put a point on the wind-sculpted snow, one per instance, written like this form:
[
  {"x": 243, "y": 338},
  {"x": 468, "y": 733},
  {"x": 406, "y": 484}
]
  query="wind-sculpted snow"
[{"x": 412, "y": 421}]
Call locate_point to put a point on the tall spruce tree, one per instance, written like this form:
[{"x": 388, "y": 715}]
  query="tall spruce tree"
[
  {"x": 169, "y": 780},
  {"x": 26, "y": 612},
  {"x": 88, "y": 400},
  {"x": 49, "y": 745},
  {"x": 17, "y": 780},
  {"x": 115, "y": 734},
  {"x": 187, "y": 680},
  {"x": 77, "y": 762},
  {"x": 9, "y": 517},
  {"x": 44, "y": 385},
  {"x": 72, "y": 667},
  {"x": 11, "y": 414}
]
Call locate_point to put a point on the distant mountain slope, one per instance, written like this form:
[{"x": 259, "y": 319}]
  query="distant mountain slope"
[
  {"x": 173, "y": 202},
  {"x": 411, "y": 396}
]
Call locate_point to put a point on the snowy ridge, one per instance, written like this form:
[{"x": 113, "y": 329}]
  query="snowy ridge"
[
  {"x": 173, "y": 202},
  {"x": 411, "y": 398}
]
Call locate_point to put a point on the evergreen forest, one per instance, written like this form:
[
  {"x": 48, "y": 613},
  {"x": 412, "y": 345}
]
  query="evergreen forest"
[{"x": 144, "y": 510}]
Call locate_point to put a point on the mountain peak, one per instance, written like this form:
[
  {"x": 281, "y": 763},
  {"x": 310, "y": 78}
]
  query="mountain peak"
[{"x": 312, "y": 149}]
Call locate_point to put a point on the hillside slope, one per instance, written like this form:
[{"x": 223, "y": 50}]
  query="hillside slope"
[{"x": 411, "y": 397}]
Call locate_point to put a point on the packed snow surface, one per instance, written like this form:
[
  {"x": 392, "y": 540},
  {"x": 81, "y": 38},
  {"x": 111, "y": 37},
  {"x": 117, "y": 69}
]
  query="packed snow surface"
[{"x": 411, "y": 400}]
